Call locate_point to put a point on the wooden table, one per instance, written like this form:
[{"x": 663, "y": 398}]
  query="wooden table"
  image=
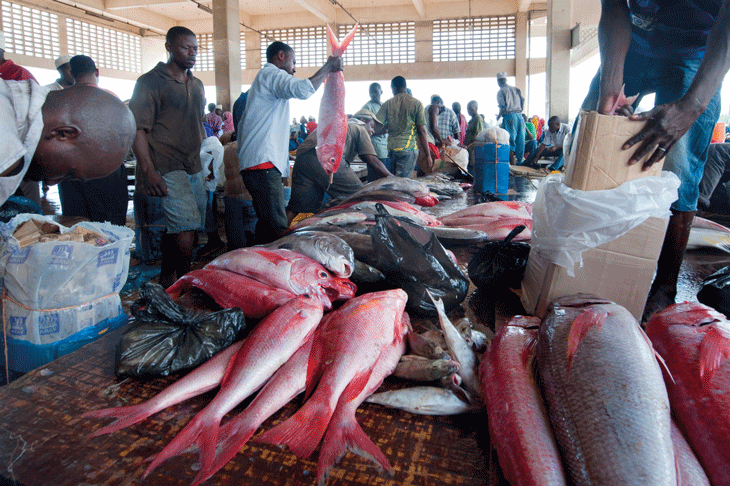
[{"x": 44, "y": 442}]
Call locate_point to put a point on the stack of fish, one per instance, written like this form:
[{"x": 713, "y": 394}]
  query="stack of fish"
[
  {"x": 497, "y": 219},
  {"x": 338, "y": 360},
  {"x": 604, "y": 412}
]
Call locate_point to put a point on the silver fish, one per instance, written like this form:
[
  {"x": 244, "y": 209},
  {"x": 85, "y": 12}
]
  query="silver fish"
[
  {"x": 423, "y": 400},
  {"x": 326, "y": 248}
]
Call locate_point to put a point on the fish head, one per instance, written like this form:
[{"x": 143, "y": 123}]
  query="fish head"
[
  {"x": 336, "y": 255},
  {"x": 329, "y": 155}
]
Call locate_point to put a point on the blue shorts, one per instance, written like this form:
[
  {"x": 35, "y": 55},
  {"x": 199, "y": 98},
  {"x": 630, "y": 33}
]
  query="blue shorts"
[
  {"x": 670, "y": 79},
  {"x": 184, "y": 205}
]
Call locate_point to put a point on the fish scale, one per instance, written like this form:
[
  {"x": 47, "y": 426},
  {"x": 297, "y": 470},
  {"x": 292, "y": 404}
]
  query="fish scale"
[{"x": 609, "y": 410}]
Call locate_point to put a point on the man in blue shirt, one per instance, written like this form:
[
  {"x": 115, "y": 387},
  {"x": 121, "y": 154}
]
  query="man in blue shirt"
[{"x": 679, "y": 50}]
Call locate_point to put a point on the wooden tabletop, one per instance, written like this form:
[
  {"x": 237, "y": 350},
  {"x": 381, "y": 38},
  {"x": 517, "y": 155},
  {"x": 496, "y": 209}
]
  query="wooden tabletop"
[{"x": 43, "y": 440}]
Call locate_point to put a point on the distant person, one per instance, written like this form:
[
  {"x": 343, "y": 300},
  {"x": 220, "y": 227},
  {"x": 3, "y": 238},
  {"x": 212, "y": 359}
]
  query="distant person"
[
  {"x": 379, "y": 140},
  {"x": 103, "y": 199},
  {"x": 475, "y": 125},
  {"x": 511, "y": 103},
  {"x": 551, "y": 146},
  {"x": 167, "y": 103},
  {"x": 64, "y": 73},
  {"x": 80, "y": 132},
  {"x": 213, "y": 119},
  {"x": 531, "y": 142},
  {"x": 238, "y": 108},
  {"x": 309, "y": 180},
  {"x": 403, "y": 117},
  {"x": 10, "y": 71},
  {"x": 264, "y": 134},
  {"x": 442, "y": 122},
  {"x": 456, "y": 106},
  {"x": 311, "y": 125}
]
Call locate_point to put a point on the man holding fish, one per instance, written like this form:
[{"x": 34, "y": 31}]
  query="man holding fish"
[{"x": 264, "y": 130}]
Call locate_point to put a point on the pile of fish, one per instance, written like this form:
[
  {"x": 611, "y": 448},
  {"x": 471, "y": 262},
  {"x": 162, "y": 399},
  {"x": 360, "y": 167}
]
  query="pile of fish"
[
  {"x": 601, "y": 413},
  {"x": 497, "y": 219},
  {"x": 338, "y": 358}
]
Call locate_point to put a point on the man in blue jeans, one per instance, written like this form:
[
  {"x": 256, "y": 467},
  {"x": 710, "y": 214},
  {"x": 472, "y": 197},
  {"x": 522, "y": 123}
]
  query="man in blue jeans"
[
  {"x": 511, "y": 103},
  {"x": 681, "y": 52}
]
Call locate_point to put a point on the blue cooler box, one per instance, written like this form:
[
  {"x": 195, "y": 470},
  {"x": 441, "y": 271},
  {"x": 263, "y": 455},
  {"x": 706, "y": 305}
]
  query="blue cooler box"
[{"x": 491, "y": 169}]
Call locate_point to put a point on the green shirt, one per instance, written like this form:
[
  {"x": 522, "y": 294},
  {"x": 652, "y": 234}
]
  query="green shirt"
[
  {"x": 476, "y": 125},
  {"x": 530, "y": 127},
  {"x": 402, "y": 115}
]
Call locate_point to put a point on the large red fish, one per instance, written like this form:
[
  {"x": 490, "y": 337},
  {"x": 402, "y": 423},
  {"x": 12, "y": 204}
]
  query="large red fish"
[
  {"x": 605, "y": 395},
  {"x": 694, "y": 340},
  {"x": 332, "y": 127},
  {"x": 518, "y": 422}
]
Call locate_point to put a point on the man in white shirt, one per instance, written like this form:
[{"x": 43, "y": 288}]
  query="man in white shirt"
[
  {"x": 65, "y": 79},
  {"x": 79, "y": 132},
  {"x": 263, "y": 134},
  {"x": 551, "y": 146}
]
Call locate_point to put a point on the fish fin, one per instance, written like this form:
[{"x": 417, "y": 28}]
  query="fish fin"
[
  {"x": 660, "y": 360},
  {"x": 528, "y": 350},
  {"x": 302, "y": 431},
  {"x": 125, "y": 416},
  {"x": 338, "y": 440},
  {"x": 196, "y": 433},
  {"x": 586, "y": 320},
  {"x": 338, "y": 48},
  {"x": 356, "y": 385},
  {"x": 714, "y": 349}
]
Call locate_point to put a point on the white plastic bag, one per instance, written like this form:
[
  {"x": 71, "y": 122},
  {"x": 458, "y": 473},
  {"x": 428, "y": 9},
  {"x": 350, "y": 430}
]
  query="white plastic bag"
[
  {"x": 57, "y": 288},
  {"x": 567, "y": 222}
]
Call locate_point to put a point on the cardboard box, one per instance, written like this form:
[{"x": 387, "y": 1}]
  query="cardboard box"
[
  {"x": 596, "y": 160},
  {"x": 620, "y": 270}
]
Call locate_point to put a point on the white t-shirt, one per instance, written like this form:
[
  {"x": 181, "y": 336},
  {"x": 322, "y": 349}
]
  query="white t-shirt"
[{"x": 21, "y": 123}]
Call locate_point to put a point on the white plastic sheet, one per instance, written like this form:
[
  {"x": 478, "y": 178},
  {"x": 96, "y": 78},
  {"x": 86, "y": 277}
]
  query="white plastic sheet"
[{"x": 567, "y": 222}]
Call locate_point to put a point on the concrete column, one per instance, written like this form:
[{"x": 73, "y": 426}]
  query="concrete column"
[
  {"x": 253, "y": 51},
  {"x": 227, "y": 52},
  {"x": 521, "y": 53},
  {"x": 558, "y": 59},
  {"x": 62, "y": 35},
  {"x": 424, "y": 41}
]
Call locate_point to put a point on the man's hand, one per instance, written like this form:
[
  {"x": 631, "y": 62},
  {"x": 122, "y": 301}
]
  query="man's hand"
[
  {"x": 334, "y": 63},
  {"x": 665, "y": 125},
  {"x": 154, "y": 184}
]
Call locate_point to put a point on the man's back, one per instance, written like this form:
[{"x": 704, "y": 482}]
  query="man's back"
[{"x": 402, "y": 114}]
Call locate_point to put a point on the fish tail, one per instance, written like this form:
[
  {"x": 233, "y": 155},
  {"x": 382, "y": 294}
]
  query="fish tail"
[
  {"x": 343, "y": 437},
  {"x": 125, "y": 416},
  {"x": 586, "y": 321},
  {"x": 196, "y": 432},
  {"x": 338, "y": 48},
  {"x": 233, "y": 436},
  {"x": 302, "y": 431},
  {"x": 714, "y": 349},
  {"x": 182, "y": 284}
]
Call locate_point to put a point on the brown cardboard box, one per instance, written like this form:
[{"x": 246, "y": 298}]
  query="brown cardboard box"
[
  {"x": 596, "y": 159},
  {"x": 620, "y": 270}
]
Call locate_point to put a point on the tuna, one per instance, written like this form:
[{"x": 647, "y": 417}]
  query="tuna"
[
  {"x": 605, "y": 395},
  {"x": 332, "y": 127},
  {"x": 518, "y": 423},
  {"x": 230, "y": 289},
  {"x": 694, "y": 340},
  {"x": 288, "y": 270},
  {"x": 269, "y": 346},
  {"x": 346, "y": 347}
]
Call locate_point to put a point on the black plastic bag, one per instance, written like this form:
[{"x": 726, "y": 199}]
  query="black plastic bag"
[
  {"x": 500, "y": 263},
  {"x": 167, "y": 338},
  {"x": 412, "y": 258},
  {"x": 715, "y": 291}
]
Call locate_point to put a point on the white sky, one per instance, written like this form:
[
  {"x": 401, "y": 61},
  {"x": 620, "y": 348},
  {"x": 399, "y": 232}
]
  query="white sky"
[{"x": 483, "y": 90}]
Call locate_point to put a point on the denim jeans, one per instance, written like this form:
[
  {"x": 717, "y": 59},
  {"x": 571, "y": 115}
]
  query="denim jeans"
[
  {"x": 670, "y": 79},
  {"x": 515, "y": 125}
]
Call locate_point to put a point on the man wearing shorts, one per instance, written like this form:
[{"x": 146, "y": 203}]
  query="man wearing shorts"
[
  {"x": 681, "y": 52},
  {"x": 168, "y": 104}
]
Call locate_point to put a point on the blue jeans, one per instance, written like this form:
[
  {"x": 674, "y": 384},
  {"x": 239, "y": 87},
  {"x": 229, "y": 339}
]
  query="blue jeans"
[
  {"x": 515, "y": 125},
  {"x": 373, "y": 175},
  {"x": 670, "y": 79}
]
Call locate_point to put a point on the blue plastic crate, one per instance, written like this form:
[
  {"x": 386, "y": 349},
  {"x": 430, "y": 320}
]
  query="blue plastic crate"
[
  {"x": 491, "y": 169},
  {"x": 24, "y": 356}
]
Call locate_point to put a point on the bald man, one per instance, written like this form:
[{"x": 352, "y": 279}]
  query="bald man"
[{"x": 80, "y": 132}]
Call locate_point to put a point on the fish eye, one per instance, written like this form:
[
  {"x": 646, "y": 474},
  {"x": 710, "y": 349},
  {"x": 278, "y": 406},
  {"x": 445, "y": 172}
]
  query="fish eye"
[{"x": 323, "y": 274}]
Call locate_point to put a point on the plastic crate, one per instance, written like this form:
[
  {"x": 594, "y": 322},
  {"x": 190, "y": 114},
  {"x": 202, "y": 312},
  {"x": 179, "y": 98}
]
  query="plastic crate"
[{"x": 491, "y": 169}]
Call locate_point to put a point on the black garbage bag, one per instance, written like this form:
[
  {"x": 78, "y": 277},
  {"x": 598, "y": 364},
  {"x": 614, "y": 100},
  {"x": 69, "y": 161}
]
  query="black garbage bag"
[
  {"x": 411, "y": 257},
  {"x": 715, "y": 291},
  {"x": 500, "y": 263},
  {"x": 167, "y": 337}
]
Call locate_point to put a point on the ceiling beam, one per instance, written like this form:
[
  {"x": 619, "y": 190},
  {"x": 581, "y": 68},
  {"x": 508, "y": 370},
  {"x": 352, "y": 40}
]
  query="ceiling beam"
[
  {"x": 524, "y": 5},
  {"x": 320, "y": 8},
  {"x": 420, "y": 9},
  {"x": 125, "y": 4}
]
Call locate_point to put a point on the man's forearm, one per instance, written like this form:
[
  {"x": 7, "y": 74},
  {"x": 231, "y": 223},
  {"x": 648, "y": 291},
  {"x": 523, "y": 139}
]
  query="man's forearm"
[
  {"x": 141, "y": 148},
  {"x": 614, "y": 38},
  {"x": 376, "y": 164}
]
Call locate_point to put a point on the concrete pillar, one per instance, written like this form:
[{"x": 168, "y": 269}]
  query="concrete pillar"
[
  {"x": 253, "y": 51},
  {"x": 521, "y": 53},
  {"x": 558, "y": 59},
  {"x": 62, "y": 35},
  {"x": 153, "y": 51},
  {"x": 227, "y": 52},
  {"x": 424, "y": 41}
]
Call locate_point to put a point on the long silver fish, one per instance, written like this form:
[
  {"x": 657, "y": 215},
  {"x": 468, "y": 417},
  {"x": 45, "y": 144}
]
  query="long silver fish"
[
  {"x": 423, "y": 400},
  {"x": 325, "y": 248}
]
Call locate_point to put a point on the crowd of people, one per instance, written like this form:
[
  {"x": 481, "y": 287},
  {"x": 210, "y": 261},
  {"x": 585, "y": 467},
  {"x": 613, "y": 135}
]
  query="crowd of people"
[{"x": 73, "y": 129}]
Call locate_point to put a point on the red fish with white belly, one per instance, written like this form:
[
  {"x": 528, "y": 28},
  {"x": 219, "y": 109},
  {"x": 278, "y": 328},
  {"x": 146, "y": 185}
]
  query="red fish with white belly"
[{"x": 332, "y": 128}]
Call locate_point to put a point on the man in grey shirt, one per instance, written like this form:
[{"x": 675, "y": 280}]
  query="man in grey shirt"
[
  {"x": 380, "y": 140},
  {"x": 511, "y": 103}
]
